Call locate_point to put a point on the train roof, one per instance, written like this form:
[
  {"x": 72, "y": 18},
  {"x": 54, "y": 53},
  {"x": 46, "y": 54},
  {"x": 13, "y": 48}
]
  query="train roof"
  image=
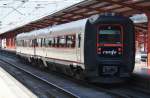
[
  {"x": 72, "y": 27},
  {"x": 59, "y": 29},
  {"x": 24, "y": 35}
]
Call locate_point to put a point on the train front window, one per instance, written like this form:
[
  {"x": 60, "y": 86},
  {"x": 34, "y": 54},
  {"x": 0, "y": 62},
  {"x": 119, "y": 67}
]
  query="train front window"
[{"x": 109, "y": 35}]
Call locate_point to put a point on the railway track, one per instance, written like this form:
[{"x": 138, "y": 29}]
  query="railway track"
[
  {"x": 60, "y": 89},
  {"x": 118, "y": 92}
]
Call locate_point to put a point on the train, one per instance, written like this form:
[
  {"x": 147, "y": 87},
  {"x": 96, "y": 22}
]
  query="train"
[{"x": 99, "y": 49}]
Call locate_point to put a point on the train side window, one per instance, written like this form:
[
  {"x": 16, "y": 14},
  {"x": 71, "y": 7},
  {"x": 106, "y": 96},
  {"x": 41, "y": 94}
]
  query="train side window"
[
  {"x": 62, "y": 41},
  {"x": 26, "y": 41},
  {"x": 19, "y": 43},
  {"x": 32, "y": 43},
  {"x": 35, "y": 42},
  {"x": 23, "y": 43},
  {"x": 67, "y": 41},
  {"x": 79, "y": 40},
  {"x": 53, "y": 42},
  {"x": 57, "y": 41},
  {"x": 39, "y": 42},
  {"x": 70, "y": 40},
  {"x": 43, "y": 42},
  {"x": 48, "y": 42},
  {"x": 73, "y": 41}
]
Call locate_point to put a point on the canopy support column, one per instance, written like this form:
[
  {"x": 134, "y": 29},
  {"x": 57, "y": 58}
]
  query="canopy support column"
[{"x": 148, "y": 35}]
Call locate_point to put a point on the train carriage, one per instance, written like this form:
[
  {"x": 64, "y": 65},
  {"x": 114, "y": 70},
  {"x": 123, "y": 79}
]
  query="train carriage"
[{"x": 100, "y": 48}]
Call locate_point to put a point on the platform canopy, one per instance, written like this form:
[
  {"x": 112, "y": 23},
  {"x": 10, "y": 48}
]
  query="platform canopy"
[{"x": 87, "y": 8}]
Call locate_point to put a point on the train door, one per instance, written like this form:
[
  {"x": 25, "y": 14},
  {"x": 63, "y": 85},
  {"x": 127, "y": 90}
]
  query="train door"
[{"x": 78, "y": 47}]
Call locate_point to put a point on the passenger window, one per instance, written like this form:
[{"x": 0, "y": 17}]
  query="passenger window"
[
  {"x": 39, "y": 42},
  {"x": 49, "y": 42},
  {"x": 23, "y": 43},
  {"x": 62, "y": 41},
  {"x": 32, "y": 43},
  {"x": 70, "y": 41},
  {"x": 53, "y": 42},
  {"x": 19, "y": 43},
  {"x": 35, "y": 42},
  {"x": 79, "y": 40},
  {"x": 27, "y": 43},
  {"x": 46, "y": 42},
  {"x": 43, "y": 42},
  {"x": 57, "y": 41}
]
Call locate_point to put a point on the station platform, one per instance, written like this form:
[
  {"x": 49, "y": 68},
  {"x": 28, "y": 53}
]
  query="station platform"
[
  {"x": 10, "y": 50},
  {"x": 141, "y": 75},
  {"x": 11, "y": 88},
  {"x": 141, "y": 68}
]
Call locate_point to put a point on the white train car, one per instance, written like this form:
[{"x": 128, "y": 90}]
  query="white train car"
[
  {"x": 43, "y": 44},
  {"x": 95, "y": 48}
]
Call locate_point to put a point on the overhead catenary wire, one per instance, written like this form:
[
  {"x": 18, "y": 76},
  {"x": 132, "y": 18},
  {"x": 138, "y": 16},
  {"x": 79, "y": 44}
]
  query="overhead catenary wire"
[{"x": 35, "y": 12}]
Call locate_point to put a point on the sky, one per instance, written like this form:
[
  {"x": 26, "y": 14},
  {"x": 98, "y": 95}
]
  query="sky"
[{"x": 15, "y": 13}]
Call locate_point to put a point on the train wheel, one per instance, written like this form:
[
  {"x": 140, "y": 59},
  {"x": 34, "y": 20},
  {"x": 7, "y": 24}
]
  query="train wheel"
[
  {"x": 33, "y": 62},
  {"x": 69, "y": 72},
  {"x": 41, "y": 65},
  {"x": 78, "y": 73},
  {"x": 79, "y": 76},
  {"x": 51, "y": 67}
]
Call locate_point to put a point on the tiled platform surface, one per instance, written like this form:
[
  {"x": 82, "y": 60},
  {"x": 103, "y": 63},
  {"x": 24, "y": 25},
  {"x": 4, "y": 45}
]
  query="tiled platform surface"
[
  {"x": 12, "y": 50},
  {"x": 141, "y": 75},
  {"x": 142, "y": 68},
  {"x": 11, "y": 88}
]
